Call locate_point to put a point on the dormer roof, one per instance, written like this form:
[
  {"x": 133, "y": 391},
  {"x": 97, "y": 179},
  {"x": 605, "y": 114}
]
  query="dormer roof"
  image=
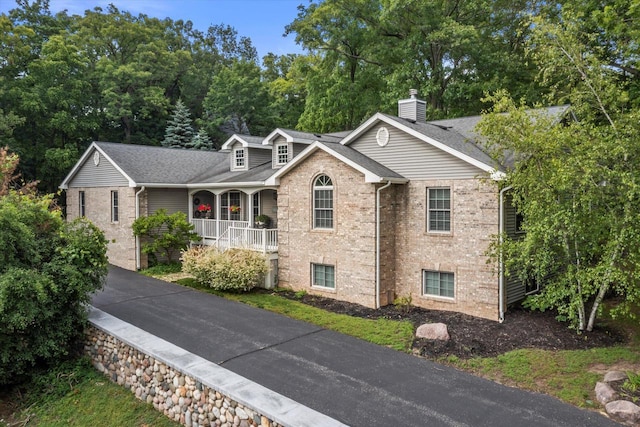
[
  {"x": 245, "y": 140},
  {"x": 299, "y": 137}
]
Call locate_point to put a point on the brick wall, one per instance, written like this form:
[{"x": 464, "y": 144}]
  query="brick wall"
[
  {"x": 406, "y": 247},
  {"x": 474, "y": 220},
  {"x": 121, "y": 249},
  {"x": 349, "y": 246}
]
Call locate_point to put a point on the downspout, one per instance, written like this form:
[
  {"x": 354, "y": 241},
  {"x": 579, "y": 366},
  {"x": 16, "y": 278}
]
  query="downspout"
[
  {"x": 500, "y": 260},
  {"x": 138, "y": 237},
  {"x": 388, "y": 184}
]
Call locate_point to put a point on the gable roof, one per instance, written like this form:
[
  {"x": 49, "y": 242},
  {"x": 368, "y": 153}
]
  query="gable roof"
[
  {"x": 152, "y": 166},
  {"x": 373, "y": 171},
  {"x": 301, "y": 137},
  {"x": 246, "y": 141},
  {"x": 445, "y": 139},
  {"x": 466, "y": 125}
]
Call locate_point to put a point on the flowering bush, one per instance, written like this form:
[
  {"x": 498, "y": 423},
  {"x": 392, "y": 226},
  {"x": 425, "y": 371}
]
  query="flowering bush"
[
  {"x": 204, "y": 207},
  {"x": 231, "y": 270}
]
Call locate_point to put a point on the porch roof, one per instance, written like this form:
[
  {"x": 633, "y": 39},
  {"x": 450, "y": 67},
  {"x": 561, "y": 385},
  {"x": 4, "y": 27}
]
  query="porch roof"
[{"x": 222, "y": 175}]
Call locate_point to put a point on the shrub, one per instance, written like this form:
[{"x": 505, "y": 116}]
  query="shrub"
[
  {"x": 48, "y": 269},
  {"x": 166, "y": 234},
  {"x": 231, "y": 270}
]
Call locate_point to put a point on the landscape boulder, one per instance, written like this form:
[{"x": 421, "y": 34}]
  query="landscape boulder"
[{"x": 433, "y": 331}]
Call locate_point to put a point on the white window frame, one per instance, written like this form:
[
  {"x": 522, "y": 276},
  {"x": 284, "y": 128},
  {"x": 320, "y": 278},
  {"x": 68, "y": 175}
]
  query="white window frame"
[
  {"x": 226, "y": 203},
  {"x": 440, "y": 275},
  {"x": 115, "y": 203},
  {"x": 239, "y": 158},
  {"x": 438, "y": 209},
  {"x": 322, "y": 184},
  {"x": 282, "y": 158},
  {"x": 324, "y": 267},
  {"x": 82, "y": 207}
]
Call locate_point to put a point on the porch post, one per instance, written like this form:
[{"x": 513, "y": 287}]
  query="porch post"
[
  {"x": 218, "y": 215},
  {"x": 250, "y": 209}
]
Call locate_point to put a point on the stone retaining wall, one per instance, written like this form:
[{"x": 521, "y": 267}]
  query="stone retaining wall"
[
  {"x": 184, "y": 386},
  {"x": 180, "y": 397}
]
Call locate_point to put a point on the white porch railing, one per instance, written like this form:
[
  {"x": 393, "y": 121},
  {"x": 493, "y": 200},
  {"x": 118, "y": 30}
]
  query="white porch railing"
[
  {"x": 257, "y": 239},
  {"x": 212, "y": 228},
  {"x": 236, "y": 234}
]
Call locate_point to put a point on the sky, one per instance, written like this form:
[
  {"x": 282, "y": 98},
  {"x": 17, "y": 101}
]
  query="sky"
[{"x": 263, "y": 21}]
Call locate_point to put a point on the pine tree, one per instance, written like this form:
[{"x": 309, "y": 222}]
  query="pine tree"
[
  {"x": 179, "y": 132},
  {"x": 200, "y": 141}
]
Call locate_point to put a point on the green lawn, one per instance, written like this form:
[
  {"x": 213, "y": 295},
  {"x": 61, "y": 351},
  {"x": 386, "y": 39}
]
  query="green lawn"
[{"x": 75, "y": 394}]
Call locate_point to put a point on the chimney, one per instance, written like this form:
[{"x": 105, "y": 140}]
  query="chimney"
[{"x": 412, "y": 109}]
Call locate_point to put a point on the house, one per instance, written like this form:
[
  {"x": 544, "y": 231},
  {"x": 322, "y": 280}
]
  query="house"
[{"x": 397, "y": 207}]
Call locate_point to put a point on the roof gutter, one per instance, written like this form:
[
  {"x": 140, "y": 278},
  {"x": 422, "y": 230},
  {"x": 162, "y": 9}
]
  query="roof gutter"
[
  {"x": 500, "y": 257},
  {"x": 388, "y": 184},
  {"x": 138, "y": 216}
]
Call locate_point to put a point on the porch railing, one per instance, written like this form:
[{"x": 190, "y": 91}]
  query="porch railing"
[
  {"x": 212, "y": 228},
  {"x": 236, "y": 234},
  {"x": 257, "y": 239}
]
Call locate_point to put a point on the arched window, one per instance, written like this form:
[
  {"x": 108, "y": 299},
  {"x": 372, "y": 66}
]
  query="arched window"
[{"x": 323, "y": 202}]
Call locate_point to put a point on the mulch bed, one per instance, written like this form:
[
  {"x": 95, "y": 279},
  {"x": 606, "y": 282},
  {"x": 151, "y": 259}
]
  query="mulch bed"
[{"x": 477, "y": 337}]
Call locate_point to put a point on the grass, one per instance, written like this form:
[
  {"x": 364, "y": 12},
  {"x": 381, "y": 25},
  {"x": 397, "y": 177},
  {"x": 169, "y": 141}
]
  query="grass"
[
  {"x": 75, "y": 394},
  {"x": 391, "y": 333}
]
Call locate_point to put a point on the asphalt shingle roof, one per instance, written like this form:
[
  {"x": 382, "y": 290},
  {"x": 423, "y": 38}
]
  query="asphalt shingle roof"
[
  {"x": 449, "y": 137},
  {"x": 147, "y": 164}
]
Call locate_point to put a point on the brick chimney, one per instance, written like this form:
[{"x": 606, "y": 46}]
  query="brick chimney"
[{"x": 413, "y": 109}]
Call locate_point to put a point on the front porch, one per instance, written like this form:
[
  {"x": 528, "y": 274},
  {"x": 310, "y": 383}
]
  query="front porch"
[
  {"x": 236, "y": 218},
  {"x": 226, "y": 234}
]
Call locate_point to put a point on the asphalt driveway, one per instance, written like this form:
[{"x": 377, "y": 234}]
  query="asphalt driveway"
[{"x": 355, "y": 382}]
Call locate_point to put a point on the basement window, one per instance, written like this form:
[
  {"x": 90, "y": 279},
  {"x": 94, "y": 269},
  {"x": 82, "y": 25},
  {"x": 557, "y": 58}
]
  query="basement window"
[{"x": 323, "y": 276}]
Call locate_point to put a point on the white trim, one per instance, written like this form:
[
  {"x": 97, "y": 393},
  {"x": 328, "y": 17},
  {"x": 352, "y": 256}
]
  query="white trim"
[
  {"x": 276, "y": 148},
  {"x": 268, "y": 140},
  {"x": 391, "y": 122},
  {"x": 89, "y": 151},
  {"x": 235, "y": 158},
  {"x": 369, "y": 177},
  {"x": 238, "y": 138}
]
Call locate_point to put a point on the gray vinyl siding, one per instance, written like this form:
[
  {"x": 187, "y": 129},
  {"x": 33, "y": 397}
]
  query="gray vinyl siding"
[
  {"x": 102, "y": 175},
  {"x": 413, "y": 158},
  {"x": 297, "y": 148},
  {"x": 515, "y": 289},
  {"x": 258, "y": 156},
  {"x": 171, "y": 199}
]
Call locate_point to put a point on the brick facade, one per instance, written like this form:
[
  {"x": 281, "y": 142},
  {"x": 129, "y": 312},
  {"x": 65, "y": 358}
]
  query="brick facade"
[
  {"x": 406, "y": 248},
  {"x": 121, "y": 249},
  {"x": 349, "y": 246},
  {"x": 474, "y": 217}
]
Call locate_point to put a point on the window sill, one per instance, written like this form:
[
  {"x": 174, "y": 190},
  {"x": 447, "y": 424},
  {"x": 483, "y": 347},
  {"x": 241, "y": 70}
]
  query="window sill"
[
  {"x": 323, "y": 289},
  {"x": 438, "y": 298}
]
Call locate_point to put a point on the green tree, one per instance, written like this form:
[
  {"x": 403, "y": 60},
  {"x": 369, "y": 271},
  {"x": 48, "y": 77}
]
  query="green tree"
[
  {"x": 164, "y": 234},
  {"x": 237, "y": 102},
  {"x": 286, "y": 77},
  {"x": 179, "y": 133},
  {"x": 48, "y": 270},
  {"x": 200, "y": 141}
]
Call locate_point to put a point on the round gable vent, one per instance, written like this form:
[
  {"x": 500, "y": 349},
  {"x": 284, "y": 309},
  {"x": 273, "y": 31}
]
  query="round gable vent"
[
  {"x": 382, "y": 136},
  {"x": 96, "y": 158}
]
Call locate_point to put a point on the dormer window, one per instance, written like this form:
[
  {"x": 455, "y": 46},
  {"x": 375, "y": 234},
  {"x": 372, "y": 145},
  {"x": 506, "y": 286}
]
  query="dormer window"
[
  {"x": 239, "y": 157},
  {"x": 282, "y": 154}
]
